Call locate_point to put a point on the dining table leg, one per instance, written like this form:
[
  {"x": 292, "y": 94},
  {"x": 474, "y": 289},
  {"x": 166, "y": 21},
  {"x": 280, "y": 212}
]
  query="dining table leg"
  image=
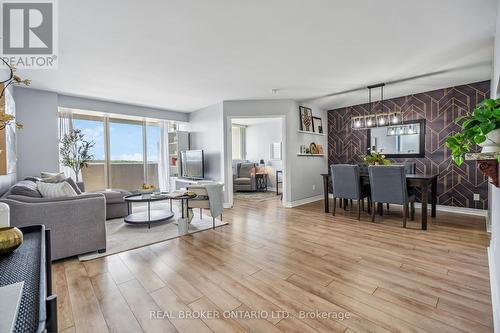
[
  {"x": 325, "y": 194},
  {"x": 425, "y": 199},
  {"x": 433, "y": 197}
]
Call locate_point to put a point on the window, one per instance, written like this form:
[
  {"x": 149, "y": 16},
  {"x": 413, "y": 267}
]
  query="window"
[
  {"x": 94, "y": 176},
  {"x": 127, "y": 152},
  {"x": 238, "y": 142},
  {"x": 276, "y": 151}
]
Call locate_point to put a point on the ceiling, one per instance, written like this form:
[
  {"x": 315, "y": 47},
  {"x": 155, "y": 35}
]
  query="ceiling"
[{"x": 186, "y": 54}]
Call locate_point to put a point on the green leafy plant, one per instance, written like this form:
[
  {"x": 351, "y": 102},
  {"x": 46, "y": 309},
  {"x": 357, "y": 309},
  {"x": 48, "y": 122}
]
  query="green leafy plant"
[
  {"x": 474, "y": 128},
  {"x": 75, "y": 151},
  {"x": 375, "y": 158}
]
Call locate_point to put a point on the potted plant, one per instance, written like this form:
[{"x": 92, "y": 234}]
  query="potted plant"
[
  {"x": 375, "y": 158},
  {"x": 481, "y": 127},
  {"x": 75, "y": 151}
]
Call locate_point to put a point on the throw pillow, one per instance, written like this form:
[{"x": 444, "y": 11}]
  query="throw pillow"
[
  {"x": 56, "y": 190},
  {"x": 26, "y": 188},
  {"x": 75, "y": 187},
  {"x": 51, "y": 177}
]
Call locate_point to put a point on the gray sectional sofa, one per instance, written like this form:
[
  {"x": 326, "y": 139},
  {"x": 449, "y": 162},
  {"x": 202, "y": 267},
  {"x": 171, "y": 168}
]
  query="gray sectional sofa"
[{"x": 77, "y": 223}]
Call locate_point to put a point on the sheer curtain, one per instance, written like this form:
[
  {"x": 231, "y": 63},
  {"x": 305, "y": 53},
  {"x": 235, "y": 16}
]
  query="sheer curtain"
[
  {"x": 163, "y": 171},
  {"x": 65, "y": 127}
]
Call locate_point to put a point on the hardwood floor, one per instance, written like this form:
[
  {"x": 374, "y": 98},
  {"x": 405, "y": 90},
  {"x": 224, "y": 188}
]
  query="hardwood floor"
[{"x": 289, "y": 266}]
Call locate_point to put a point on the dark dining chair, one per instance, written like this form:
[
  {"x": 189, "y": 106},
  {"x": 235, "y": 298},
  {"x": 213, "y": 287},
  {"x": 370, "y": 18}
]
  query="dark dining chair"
[
  {"x": 388, "y": 185},
  {"x": 346, "y": 184}
]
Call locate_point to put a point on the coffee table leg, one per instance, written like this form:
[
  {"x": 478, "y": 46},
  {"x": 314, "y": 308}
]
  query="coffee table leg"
[
  {"x": 149, "y": 214},
  {"x": 170, "y": 204}
]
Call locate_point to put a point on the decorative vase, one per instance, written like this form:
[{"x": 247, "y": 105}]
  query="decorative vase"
[
  {"x": 10, "y": 239},
  {"x": 492, "y": 143}
]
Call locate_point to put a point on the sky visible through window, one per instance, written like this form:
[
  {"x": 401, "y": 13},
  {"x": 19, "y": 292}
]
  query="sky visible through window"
[{"x": 125, "y": 140}]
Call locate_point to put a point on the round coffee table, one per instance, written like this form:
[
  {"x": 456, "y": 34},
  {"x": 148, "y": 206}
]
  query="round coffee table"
[{"x": 151, "y": 215}]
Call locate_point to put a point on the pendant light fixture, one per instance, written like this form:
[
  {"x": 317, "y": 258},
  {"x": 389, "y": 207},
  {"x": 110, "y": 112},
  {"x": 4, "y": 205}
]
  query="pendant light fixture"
[{"x": 376, "y": 119}]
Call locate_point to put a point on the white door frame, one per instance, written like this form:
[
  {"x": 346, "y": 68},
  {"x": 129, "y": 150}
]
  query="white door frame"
[{"x": 229, "y": 152}]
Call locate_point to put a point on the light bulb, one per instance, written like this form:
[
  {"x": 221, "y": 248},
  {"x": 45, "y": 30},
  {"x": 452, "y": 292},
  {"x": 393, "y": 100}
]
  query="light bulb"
[
  {"x": 395, "y": 119},
  {"x": 381, "y": 121},
  {"x": 357, "y": 123},
  {"x": 369, "y": 122}
]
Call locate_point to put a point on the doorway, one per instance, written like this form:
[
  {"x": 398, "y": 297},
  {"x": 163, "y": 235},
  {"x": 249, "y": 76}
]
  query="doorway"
[{"x": 257, "y": 159}]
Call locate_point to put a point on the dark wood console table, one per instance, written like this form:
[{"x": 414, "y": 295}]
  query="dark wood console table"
[
  {"x": 31, "y": 263},
  {"x": 424, "y": 182}
]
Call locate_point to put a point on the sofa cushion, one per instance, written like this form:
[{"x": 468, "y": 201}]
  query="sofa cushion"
[
  {"x": 56, "y": 190},
  {"x": 244, "y": 181},
  {"x": 75, "y": 187},
  {"x": 51, "y": 177},
  {"x": 246, "y": 170},
  {"x": 26, "y": 188},
  {"x": 114, "y": 196}
]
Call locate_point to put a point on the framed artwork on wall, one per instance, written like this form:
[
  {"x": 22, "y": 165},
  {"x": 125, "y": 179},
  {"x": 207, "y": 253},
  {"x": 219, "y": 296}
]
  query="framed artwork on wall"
[
  {"x": 317, "y": 125},
  {"x": 305, "y": 119}
]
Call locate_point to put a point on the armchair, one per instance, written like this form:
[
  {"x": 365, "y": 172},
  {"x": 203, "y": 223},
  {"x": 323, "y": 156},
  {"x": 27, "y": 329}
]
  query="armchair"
[{"x": 244, "y": 179}]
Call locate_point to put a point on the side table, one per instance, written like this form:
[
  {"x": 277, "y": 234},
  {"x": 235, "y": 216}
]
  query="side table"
[{"x": 261, "y": 179}]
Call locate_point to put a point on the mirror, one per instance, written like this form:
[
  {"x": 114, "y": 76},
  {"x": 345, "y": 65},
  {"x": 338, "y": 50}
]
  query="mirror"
[{"x": 404, "y": 140}]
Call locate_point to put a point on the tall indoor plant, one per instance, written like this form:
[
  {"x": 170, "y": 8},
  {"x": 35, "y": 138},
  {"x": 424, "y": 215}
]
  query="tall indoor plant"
[
  {"x": 481, "y": 127},
  {"x": 75, "y": 151}
]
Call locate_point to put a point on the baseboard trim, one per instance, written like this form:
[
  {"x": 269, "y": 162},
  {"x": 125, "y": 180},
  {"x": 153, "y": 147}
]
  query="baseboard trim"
[
  {"x": 296, "y": 203},
  {"x": 449, "y": 209},
  {"x": 495, "y": 293}
]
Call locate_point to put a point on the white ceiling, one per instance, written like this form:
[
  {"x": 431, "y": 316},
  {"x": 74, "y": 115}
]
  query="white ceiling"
[
  {"x": 255, "y": 121},
  {"x": 186, "y": 54}
]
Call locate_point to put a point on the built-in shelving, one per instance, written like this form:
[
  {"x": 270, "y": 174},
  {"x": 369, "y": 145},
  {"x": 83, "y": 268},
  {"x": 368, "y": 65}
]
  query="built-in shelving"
[
  {"x": 312, "y": 155},
  {"x": 312, "y": 133}
]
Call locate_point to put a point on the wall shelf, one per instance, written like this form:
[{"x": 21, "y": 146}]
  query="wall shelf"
[
  {"x": 487, "y": 163},
  {"x": 312, "y": 133},
  {"x": 313, "y": 155}
]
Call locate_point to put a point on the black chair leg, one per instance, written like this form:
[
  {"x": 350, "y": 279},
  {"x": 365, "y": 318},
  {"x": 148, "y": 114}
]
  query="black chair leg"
[
  {"x": 359, "y": 209},
  {"x": 362, "y": 204},
  {"x": 374, "y": 209},
  {"x": 334, "y": 206},
  {"x": 387, "y": 207},
  {"x": 412, "y": 211}
]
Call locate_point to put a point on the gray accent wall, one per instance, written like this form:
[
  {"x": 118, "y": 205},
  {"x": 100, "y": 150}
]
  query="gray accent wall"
[
  {"x": 37, "y": 142},
  {"x": 38, "y": 110},
  {"x": 207, "y": 135},
  {"x": 120, "y": 108}
]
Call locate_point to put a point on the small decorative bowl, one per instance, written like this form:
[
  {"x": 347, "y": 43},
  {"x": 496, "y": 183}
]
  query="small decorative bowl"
[{"x": 10, "y": 239}]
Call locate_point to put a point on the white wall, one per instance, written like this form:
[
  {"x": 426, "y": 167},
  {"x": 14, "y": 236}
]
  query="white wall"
[
  {"x": 37, "y": 145},
  {"x": 207, "y": 134},
  {"x": 259, "y": 138},
  {"x": 302, "y": 180},
  {"x": 494, "y": 249}
]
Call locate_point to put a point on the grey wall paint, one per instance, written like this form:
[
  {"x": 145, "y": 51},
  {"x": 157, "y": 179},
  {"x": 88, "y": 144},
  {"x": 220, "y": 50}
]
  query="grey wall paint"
[
  {"x": 8, "y": 180},
  {"x": 206, "y": 134},
  {"x": 259, "y": 138},
  {"x": 38, "y": 140},
  {"x": 120, "y": 108}
]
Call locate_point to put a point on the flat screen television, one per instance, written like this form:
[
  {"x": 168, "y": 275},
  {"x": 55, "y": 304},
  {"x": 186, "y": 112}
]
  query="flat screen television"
[{"x": 192, "y": 164}]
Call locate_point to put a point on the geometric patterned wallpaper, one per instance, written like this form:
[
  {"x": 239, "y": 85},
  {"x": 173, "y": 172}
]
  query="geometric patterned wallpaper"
[{"x": 456, "y": 185}]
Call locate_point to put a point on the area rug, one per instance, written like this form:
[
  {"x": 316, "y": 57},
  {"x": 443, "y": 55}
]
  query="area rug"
[
  {"x": 256, "y": 196},
  {"x": 121, "y": 236}
]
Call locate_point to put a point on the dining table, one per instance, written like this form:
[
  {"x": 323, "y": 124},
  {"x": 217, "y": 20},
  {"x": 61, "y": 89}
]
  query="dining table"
[{"x": 422, "y": 181}]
